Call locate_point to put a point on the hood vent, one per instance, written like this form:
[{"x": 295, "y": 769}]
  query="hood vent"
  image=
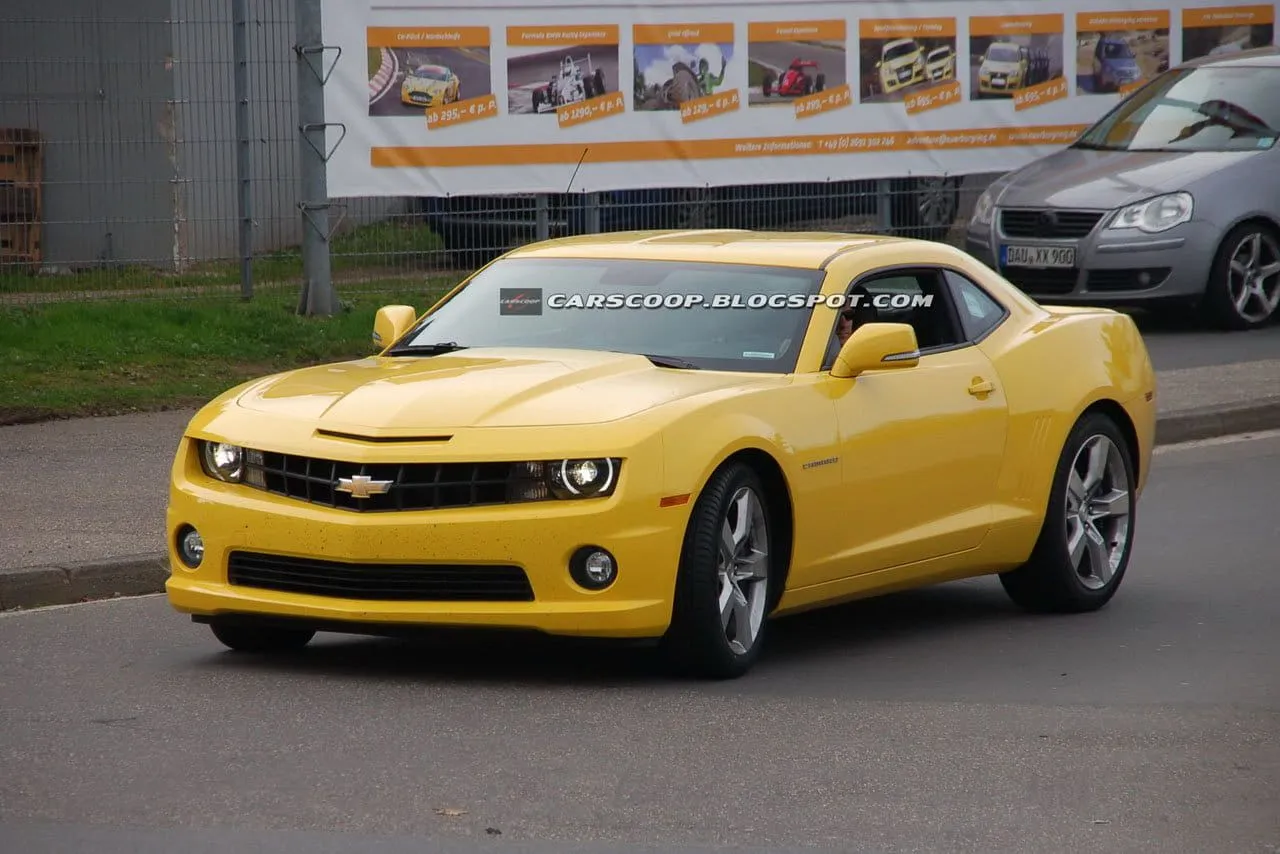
[{"x": 353, "y": 437}]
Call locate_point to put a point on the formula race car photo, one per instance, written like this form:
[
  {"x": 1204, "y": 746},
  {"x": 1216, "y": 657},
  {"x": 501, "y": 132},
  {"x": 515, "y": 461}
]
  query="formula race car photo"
[
  {"x": 794, "y": 81},
  {"x": 570, "y": 85},
  {"x": 557, "y": 447},
  {"x": 429, "y": 86}
]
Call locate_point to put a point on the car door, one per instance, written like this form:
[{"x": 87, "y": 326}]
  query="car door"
[{"x": 921, "y": 448}]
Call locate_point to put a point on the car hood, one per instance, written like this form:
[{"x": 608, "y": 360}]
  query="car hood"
[
  {"x": 902, "y": 61},
  {"x": 1121, "y": 62},
  {"x": 483, "y": 388},
  {"x": 999, "y": 67},
  {"x": 1078, "y": 178},
  {"x": 424, "y": 85}
]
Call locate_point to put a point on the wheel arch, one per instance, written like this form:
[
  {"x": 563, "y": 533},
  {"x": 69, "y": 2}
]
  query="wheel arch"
[{"x": 1124, "y": 423}]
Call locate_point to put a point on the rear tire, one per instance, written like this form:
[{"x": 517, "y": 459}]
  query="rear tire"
[
  {"x": 1083, "y": 550},
  {"x": 248, "y": 637},
  {"x": 723, "y": 598}
]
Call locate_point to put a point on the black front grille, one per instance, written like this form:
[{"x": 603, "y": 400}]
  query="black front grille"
[
  {"x": 388, "y": 582},
  {"x": 1127, "y": 280},
  {"x": 1041, "y": 282},
  {"x": 1051, "y": 224},
  {"x": 411, "y": 486}
]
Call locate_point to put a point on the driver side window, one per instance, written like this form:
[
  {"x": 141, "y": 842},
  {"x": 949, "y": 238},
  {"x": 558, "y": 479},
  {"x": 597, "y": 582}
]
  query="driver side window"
[{"x": 920, "y": 298}]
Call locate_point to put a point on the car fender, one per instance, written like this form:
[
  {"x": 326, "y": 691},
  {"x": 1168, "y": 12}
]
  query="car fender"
[{"x": 1106, "y": 360}]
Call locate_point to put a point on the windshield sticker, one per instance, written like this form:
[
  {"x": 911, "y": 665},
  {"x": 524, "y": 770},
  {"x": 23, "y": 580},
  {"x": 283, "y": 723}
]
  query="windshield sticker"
[{"x": 752, "y": 354}]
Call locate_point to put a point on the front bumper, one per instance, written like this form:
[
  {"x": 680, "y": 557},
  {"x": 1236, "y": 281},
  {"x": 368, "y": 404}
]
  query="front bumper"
[
  {"x": 538, "y": 537},
  {"x": 1006, "y": 86},
  {"x": 421, "y": 98},
  {"x": 1110, "y": 268},
  {"x": 892, "y": 83}
]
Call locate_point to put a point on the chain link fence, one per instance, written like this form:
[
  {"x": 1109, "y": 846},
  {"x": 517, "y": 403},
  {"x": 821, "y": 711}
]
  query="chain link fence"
[{"x": 153, "y": 148}]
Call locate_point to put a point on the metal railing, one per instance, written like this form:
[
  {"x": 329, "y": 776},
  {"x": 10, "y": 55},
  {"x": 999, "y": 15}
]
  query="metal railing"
[{"x": 144, "y": 157}]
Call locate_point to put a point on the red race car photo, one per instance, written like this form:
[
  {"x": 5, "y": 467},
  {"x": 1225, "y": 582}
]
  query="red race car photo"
[{"x": 794, "y": 81}]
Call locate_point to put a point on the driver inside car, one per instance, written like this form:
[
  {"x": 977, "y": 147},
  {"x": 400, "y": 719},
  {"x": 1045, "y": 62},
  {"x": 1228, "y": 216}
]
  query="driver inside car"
[{"x": 850, "y": 320}]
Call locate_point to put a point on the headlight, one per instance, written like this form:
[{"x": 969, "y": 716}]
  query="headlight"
[
  {"x": 565, "y": 479},
  {"x": 983, "y": 209},
  {"x": 222, "y": 461},
  {"x": 1154, "y": 215}
]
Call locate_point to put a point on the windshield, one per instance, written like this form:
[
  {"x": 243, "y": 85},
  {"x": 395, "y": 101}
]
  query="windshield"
[
  {"x": 939, "y": 54},
  {"x": 1002, "y": 53},
  {"x": 1116, "y": 50},
  {"x": 1195, "y": 109},
  {"x": 520, "y": 302},
  {"x": 431, "y": 74},
  {"x": 901, "y": 50}
]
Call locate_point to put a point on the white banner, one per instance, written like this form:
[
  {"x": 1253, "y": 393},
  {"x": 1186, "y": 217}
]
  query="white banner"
[{"x": 562, "y": 96}]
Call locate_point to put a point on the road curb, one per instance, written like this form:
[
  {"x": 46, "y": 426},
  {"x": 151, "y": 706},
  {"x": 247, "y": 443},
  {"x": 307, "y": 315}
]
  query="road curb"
[{"x": 139, "y": 575}]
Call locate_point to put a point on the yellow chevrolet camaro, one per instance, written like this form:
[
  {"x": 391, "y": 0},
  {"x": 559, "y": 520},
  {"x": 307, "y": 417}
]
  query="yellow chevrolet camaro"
[{"x": 661, "y": 435}]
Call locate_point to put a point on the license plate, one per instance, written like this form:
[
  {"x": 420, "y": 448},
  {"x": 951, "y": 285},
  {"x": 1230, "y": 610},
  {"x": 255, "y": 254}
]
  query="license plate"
[{"x": 1038, "y": 256}]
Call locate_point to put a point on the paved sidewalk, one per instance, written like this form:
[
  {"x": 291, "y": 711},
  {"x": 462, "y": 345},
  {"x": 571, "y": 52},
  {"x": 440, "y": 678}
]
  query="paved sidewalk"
[{"x": 93, "y": 491}]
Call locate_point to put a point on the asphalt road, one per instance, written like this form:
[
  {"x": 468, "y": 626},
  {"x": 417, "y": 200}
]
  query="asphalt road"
[
  {"x": 779, "y": 55},
  {"x": 474, "y": 77},
  {"x": 525, "y": 73},
  {"x": 936, "y": 720},
  {"x": 1174, "y": 346}
]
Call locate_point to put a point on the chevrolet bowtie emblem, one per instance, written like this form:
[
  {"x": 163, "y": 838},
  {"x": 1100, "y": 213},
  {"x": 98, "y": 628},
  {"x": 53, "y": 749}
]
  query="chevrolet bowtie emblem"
[{"x": 362, "y": 486}]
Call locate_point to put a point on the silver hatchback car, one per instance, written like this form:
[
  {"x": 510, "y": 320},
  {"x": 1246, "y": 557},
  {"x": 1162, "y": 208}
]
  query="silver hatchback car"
[{"x": 1173, "y": 197}]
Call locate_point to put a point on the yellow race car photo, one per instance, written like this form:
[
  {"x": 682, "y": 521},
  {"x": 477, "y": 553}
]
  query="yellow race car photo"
[
  {"x": 671, "y": 437},
  {"x": 429, "y": 86}
]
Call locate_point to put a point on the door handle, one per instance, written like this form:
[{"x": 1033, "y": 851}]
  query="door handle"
[{"x": 980, "y": 386}]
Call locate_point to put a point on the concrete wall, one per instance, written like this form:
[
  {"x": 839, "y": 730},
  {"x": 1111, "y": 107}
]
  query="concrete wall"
[
  {"x": 135, "y": 99},
  {"x": 91, "y": 77}
]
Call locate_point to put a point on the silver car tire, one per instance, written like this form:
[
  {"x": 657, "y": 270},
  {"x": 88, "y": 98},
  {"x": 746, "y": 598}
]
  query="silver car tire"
[
  {"x": 1086, "y": 538},
  {"x": 1244, "y": 283}
]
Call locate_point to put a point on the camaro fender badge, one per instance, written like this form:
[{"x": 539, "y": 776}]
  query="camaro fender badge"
[
  {"x": 813, "y": 464},
  {"x": 363, "y": 486}
]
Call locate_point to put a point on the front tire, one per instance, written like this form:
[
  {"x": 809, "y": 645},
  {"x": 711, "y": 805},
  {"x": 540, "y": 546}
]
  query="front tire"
[
  {"x": 248, "y": 637},
  {"x": 724, "y": 592},
  {"x": 1080, "y": 559},
  {"x": 1244, "y": 283}
]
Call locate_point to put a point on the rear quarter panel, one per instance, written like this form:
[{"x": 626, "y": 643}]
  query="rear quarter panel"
[{"x": 1052, "y": 369}]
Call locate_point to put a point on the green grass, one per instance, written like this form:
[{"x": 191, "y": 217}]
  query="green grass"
[
  {"x": 391, "y": 246},
  {"x": 375, "y": 61},
  {"x": 105, "y": 357},
  {"x": 756, "y": 73}
]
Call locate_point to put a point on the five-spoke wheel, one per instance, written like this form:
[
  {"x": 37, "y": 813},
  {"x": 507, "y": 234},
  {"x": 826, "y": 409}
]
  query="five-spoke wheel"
[{"x": 1244, "y": 285}]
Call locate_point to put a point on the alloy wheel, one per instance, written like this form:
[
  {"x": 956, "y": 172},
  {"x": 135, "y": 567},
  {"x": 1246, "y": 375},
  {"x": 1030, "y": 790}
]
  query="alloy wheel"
[
  {"x": 1097, "y": 512},
  {"x": 743, "y": 570},
  {"x": 936, "y": 203},
  {"x": 1253, "y": 277}
]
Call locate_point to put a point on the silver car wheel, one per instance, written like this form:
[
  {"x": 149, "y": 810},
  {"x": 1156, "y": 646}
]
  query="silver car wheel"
[
  {"x": 1097, "y": 517},
  {"x": 743, "y": 570},
  {"x": 1253, "y": 278},
  {"x": 936, "y": 202}
]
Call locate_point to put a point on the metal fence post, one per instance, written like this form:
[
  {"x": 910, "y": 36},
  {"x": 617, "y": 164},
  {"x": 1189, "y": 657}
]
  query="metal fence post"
[
  {"x": 240, "y": 48},
  {"x": 317, "y": 275}
]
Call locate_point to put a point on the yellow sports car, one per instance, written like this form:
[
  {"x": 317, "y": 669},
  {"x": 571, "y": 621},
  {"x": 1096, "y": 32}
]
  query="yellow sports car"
[
  {"x": 672, "y": 436},
  {"x": 429, "y": 86}
]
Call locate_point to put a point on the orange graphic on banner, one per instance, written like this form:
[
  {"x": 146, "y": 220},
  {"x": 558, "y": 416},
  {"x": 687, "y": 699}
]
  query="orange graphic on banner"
[
  {"x": 708, "y": 106},
  {"x": 440, "y": 156},
  {"x": 1118, "y": 22},
  {"x": 427, "y": 36},
  {"x": 601, "y": 34},
  {"x": 1024, "y": 25},
  {"x": 1041, "y": 93},
  {"x": 942, "y": 95},
  {"x": 788, "y": 31},
  {"x": 907, "y": 28},
  {"x": 461, "y": 112},
  {"x": 1229, "y": 16},
  {"x": 823, "y": 102},
  {"x": 682, "y": 33},
  {"x": 570, "y": 115}
]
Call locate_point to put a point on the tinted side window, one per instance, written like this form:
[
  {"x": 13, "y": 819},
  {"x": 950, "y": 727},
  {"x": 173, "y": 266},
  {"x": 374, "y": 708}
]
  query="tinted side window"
[
  {"x": 917, "y": 297},
  {"x": 979, "y": 313}
]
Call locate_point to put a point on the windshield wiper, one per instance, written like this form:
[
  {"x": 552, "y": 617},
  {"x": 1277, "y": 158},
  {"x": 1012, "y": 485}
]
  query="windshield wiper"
[
  {"x": 668, "y": 361},
  {"x": 427, "y": 349}
]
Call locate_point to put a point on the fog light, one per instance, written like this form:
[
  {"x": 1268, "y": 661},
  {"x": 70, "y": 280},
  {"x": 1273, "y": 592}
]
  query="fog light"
[
  {"x": 190, "y": 546},
  {"x": 593, "y": 568}
]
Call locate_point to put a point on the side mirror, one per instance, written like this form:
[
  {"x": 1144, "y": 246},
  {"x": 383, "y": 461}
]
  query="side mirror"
[
  {"x": 877, "y": 347},
  {"x": 390, "y": 323}
]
